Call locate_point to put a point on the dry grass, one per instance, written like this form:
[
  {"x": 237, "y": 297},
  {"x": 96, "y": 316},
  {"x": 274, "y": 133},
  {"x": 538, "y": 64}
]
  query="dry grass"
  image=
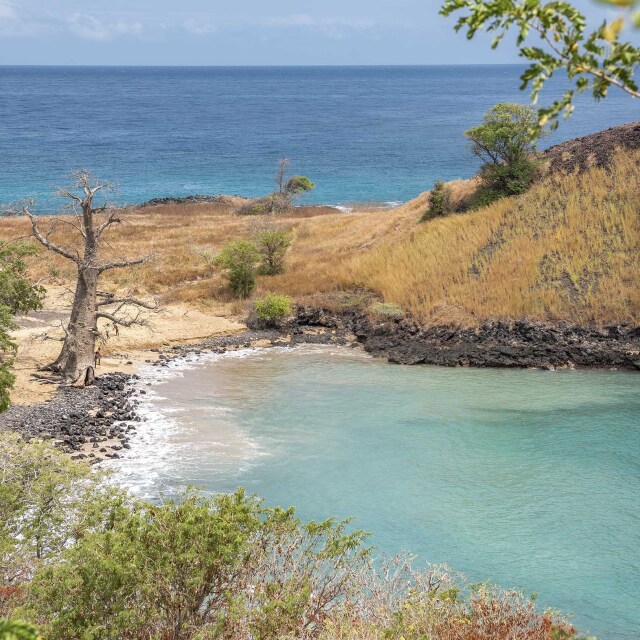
[{"x": 567, "y": 250}]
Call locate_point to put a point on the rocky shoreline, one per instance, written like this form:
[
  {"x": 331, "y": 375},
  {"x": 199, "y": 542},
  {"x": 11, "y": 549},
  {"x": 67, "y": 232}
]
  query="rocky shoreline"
[
  {"x": 518, "y": 344},
  {"x": 92, "y": 422},
  {"x": 97, "y": 422}
]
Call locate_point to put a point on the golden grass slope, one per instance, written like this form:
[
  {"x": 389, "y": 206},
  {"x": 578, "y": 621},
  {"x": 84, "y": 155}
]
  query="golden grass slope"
[{"x": 567, "y": 250}]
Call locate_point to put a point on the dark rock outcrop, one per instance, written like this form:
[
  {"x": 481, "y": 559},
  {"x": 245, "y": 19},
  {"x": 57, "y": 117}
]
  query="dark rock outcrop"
[
  {"x": 491, "y": 344},
  {"x": 194, "y": 199},
  {"x": 592, "y": 150},
  {"x": 75, "y": 417}
]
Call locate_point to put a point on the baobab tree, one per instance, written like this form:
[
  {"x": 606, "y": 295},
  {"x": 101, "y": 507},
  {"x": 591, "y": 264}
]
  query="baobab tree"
[{"x": 88, "y": 223}]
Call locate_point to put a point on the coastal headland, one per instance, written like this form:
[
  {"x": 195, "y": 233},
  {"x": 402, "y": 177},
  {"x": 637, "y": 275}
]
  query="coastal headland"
[{"x": 549, "y": 279}]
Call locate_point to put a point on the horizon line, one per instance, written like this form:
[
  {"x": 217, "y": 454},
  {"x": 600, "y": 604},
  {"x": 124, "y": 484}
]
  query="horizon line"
[{"x": 271, "y": 66}]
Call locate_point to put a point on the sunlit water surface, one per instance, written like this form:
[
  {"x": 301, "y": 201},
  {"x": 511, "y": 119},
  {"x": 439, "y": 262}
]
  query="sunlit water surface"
[
  {"x": 363, "y": 134},
  {"x": 527, "y": 478}
]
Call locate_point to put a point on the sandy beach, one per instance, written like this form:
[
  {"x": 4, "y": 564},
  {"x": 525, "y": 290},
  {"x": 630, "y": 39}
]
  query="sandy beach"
[{"x": 39, "y": 334}]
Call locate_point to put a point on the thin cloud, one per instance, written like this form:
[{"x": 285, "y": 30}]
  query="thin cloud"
[
  {"x": 7, "y": 12},
  {"x": 89, "y": 27},
  {"x": 296, "y": 20},
  {"x": 305, "y": 20},
  {"x": 197, "y": 27},
  {"x": 332, "y": 28},
  {"x": 17, "y": 22},
  {"x": 13, "y": 24}
]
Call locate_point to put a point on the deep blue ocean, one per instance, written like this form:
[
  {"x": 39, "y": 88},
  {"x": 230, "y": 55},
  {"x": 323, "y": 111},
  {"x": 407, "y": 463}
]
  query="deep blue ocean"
[{"x": 363, "y": 134}]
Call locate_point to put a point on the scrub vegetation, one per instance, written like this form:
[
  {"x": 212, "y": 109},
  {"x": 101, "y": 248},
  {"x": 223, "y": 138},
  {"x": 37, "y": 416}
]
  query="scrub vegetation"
[
  {"x": 273, "y": 308},
  {"x": 82, "y": 558}
]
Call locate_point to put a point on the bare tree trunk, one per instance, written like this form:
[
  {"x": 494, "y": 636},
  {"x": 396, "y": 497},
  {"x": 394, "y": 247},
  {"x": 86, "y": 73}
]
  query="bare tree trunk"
[{"x": 76, "y": 360}]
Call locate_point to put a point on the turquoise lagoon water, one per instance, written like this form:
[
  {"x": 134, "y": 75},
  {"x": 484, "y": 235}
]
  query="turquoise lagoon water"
[{"x": 527, "y": 478}]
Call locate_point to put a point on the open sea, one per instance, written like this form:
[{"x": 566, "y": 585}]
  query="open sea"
[{"x": 363, "y": 134}]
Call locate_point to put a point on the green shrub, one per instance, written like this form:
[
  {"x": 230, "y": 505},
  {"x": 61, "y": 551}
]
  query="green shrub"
[
  {"x": 273, "y": 308},
  {"x": 207, "y": 567},
  {"x": 96, "y": 563},
  {"x": 258, "y": 207},
  {"x": 440, "y": 202},
  {"x": 504, "y": 180},
  {"x": 387, "y": 310},
  {"x": 271, "y": 204},
  {"x": 12, "y": 630},
  {"x": 17, "y": 295},
  {"x": 273, "y": 245},
  {"x": 239, "y": 259}
]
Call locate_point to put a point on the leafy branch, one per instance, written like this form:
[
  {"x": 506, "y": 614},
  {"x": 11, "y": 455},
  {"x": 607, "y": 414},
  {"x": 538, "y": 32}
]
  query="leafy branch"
[{"x": 593, "y": 61}]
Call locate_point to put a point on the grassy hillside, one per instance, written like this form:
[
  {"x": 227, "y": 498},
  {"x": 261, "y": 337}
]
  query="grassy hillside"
[{"x": 567, "y": 250}]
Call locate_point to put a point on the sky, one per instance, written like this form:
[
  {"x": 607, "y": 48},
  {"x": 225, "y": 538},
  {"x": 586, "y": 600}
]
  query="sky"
[{"x": 239, "y": 32}]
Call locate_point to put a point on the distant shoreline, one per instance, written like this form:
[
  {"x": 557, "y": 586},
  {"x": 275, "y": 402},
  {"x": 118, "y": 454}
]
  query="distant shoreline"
[{"x": 221, "y": 198}]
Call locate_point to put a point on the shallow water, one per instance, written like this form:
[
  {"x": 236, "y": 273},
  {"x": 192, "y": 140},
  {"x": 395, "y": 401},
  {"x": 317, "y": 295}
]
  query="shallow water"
[{"x": 527, "y": 478}]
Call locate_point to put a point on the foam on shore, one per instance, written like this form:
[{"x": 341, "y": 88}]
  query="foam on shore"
[{"x": 163, "y": 435}]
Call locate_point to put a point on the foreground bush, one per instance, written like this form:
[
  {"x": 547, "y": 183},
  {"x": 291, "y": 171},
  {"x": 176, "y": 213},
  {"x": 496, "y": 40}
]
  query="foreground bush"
[
  {"x": 17, "y": 295},
  {"x": 12, "y": 630},
  {"x": 110, "y": 567},
  {"x": 47, "y": 503}
]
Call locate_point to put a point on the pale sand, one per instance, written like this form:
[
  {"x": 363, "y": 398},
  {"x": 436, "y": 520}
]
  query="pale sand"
[{"x": 37, "y": 344}]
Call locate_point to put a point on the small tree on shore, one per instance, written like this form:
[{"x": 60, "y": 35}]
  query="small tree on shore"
[
  {"x": 291, "y": 188},
  {"x": 88, "y": 222},
  {"x": 506, "y": 142},
  {"x": 283, "y": 198}
]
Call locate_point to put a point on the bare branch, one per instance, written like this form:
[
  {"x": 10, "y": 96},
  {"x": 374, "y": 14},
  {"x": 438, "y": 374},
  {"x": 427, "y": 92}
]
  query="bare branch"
[
  {"x": 123, "y": 322},
  {"x": 44, "y": 239},
  {"x": 110, "y": 299},
  {"x": 112, "y": 219},
  {"x": 71, "y": 224},
  {"x": 106, "y": 266},
  {"x": 64, "y": 193}
]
